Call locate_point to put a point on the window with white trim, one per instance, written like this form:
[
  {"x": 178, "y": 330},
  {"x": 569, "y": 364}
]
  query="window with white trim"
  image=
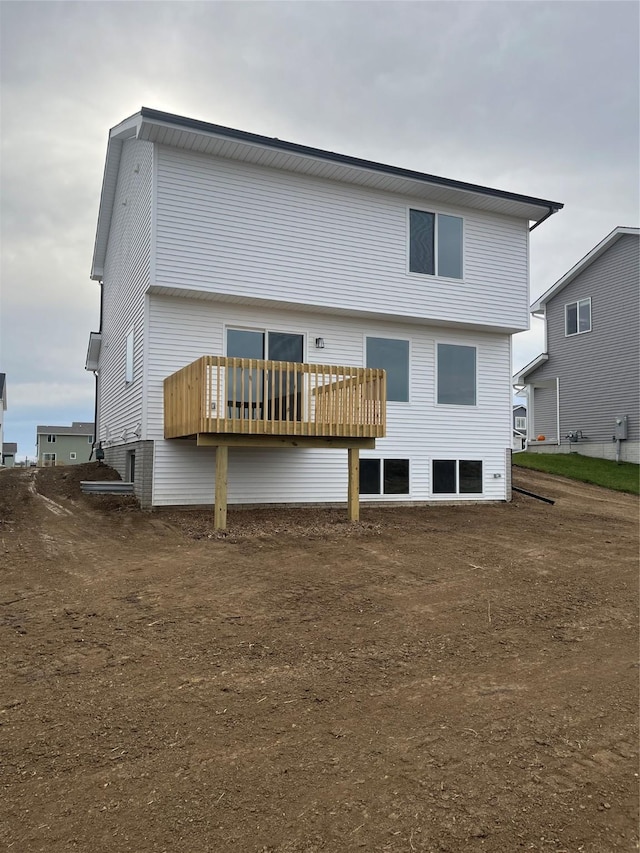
[
  {"x": 456, "y": 375},
  {"x": 393, "y": 356},
  {"x": 51, "y": 439},
  {"x": 128, "y": 367},
  {"x": 384, "y": 476},
  {"x": 456, "y": 476},
  {"x": 435, "y": 244},
  {"x": 49, "y": 457},
  {"x": 72, "y": 455},
  {"x": 521, "y": 423},
  {"x": 577, "y": 317}
]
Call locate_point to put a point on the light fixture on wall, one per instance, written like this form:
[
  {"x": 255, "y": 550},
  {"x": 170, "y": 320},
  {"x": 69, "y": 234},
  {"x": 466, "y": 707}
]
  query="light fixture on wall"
[{"x": 319, "y": 343}]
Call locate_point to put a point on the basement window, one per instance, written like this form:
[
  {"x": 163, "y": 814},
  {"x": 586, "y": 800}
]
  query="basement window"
[
  {"x": 457, "y": 476},
  {"x": 384, "y": 477}
]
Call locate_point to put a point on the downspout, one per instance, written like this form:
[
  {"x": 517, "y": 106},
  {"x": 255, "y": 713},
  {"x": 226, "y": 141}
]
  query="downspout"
[
  {"x": 558, "y": 408},
  {"x": 95, "y": 373}
]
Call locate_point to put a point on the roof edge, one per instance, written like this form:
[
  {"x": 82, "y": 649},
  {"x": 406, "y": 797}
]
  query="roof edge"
[
  {"x": 519, "y": 377},
  {"x": 346, "y": 159},
  {"x": 583, "y": 263}
]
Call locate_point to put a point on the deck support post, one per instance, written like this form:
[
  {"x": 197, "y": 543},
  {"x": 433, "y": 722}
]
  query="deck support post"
[
  {"x": 353, "y": 496},
  {"x": 222, "y": 468}
]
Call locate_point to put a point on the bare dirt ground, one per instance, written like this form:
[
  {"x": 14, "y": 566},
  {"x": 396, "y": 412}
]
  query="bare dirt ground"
[{"x": 439, "y": 679}]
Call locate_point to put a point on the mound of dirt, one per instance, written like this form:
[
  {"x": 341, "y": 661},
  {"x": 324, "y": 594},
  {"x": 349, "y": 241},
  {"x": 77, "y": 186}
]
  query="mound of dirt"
[{"x": 57, "y": 483}]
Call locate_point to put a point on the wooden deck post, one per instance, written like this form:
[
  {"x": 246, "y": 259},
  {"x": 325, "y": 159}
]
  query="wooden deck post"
[
  {"x": 353, "y": 496},
  {"x": 220, "y": 508}
]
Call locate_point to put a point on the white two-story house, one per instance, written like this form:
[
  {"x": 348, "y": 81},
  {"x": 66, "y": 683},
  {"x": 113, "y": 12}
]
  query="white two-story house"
[{"x": 267, "y": 306}]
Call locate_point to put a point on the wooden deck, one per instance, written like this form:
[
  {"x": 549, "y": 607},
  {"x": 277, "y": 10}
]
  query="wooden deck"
[{"x": 219, "y": 396}]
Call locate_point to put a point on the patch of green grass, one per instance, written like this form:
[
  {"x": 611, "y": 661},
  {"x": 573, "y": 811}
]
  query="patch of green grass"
[{"x": 601, "y": 472}]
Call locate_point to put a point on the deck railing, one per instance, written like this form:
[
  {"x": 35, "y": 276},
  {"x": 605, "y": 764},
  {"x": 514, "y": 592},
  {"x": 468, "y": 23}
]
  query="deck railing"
[{"x": 247, "y": 396}]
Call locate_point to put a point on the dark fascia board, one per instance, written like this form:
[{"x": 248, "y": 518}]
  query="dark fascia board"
[{"x": 345, "y": 159}]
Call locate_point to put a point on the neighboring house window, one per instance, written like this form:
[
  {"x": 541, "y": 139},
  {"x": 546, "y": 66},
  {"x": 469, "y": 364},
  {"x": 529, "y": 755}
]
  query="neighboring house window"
[
  {"x": 72, "y": 455},
  {"x": 90, "y": 439},
  {"x": 577, "y": 317},
  {"x": 128, "y": 370},
  {"x": 457, "y": 476},
  {"x": 456, "y": 375},
  {"x": 521, "y": 423},
  {"x": 49, "y": 457},
  {"x": 393, "y": 356},
  {"x": 435, "y": 244},
  {"x": 388, "y": 477},
  {"x": 51, "y": 439}
]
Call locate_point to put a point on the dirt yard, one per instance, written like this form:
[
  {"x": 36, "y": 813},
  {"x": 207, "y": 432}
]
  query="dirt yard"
[{"x": 439, "y": 679}]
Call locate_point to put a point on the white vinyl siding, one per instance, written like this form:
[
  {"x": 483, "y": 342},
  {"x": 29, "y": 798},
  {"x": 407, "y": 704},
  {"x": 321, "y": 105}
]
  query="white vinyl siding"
[
  {"x": 126, "y": 278},
  {"x": 182, "y": 330},
  {"x": 249, "y": 232}
]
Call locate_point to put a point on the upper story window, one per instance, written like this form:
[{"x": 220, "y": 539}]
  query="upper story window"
[
  {"x": 456, "y": 375},
  {"x": 577, "y": 317},
  {"x": 393, "y": 356},
  {"x": 128, "y": 368},
  {"x": 51, "y": 439},
  {"x": 435, "y": 244}
]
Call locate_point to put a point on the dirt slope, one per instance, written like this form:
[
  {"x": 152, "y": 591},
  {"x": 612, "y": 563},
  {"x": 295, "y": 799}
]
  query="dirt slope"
[{"x": 442, "y": 679}]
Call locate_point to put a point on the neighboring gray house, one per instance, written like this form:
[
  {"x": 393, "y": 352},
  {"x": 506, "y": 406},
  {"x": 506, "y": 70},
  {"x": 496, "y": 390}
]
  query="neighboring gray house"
[
  {"x": 519, "y": 423},
  {"x": 9, "y": 453},
  {"x": 583, "y": 392},
  {"x": 64, "y": 445}
]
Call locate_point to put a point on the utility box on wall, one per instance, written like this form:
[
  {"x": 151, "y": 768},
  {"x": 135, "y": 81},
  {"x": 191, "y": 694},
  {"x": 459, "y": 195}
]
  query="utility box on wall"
[{"x": 620, "y": 427}]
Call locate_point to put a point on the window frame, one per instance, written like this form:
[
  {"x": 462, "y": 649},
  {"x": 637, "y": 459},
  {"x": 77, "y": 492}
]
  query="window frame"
[
  {"x": 381, "y": 494},
  {"x": 51, "y": 438},
  {"x": 436, "y": 214},
  {"x": 129, "y": 357},
  {"x": 523, "y": 420},
  {"x": 577, "y": 303},
  {"x": 436, "y": 382},
  {"x": 264, "y": 331},
  {"x": 49, "y": 457},
  {"x": 408, "y": 341},
  {"x": 73, "y": 455},
  {"x": 457, "y": 492}
]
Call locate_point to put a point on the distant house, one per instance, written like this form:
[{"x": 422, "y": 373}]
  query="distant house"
[
  {"x": 583, "y": 392},
  {"x": 271, "y": 310},
  {"x": 519, "y": 427},
  {"x": 64, "y": 445},
  {"x": 9, "y": 453},
  {"x": 3, "y": 402}
]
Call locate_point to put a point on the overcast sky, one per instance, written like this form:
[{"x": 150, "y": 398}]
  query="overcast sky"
[{"x": 534, "y": 97}]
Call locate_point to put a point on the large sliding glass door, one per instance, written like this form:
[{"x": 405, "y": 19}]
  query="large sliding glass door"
[{"x": 254, "y": 393}]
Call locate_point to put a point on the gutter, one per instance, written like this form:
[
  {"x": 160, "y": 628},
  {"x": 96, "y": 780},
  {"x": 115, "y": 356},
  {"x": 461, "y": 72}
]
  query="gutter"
[{"x": 552, "y": 210}]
